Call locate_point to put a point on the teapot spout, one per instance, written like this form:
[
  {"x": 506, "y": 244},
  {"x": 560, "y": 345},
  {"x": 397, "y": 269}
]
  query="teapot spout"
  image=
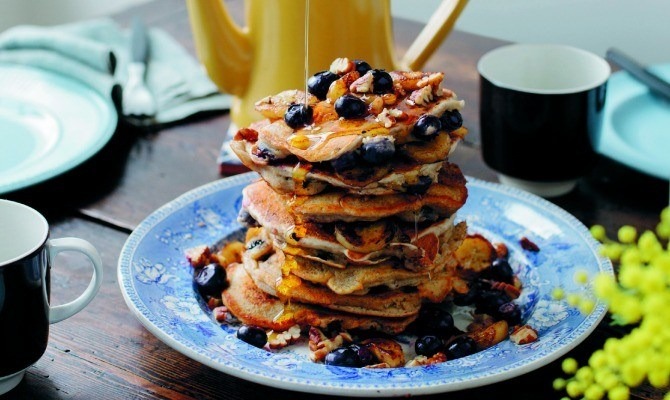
[{"x": 222, "y": 46}]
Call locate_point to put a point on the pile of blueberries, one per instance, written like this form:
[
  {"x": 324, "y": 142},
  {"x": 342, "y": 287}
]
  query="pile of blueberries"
[{"x": 378, "y": 150}]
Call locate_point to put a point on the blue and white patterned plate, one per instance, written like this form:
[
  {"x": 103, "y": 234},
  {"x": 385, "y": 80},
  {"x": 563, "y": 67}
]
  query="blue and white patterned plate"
[{"x": 156, "y": 282}]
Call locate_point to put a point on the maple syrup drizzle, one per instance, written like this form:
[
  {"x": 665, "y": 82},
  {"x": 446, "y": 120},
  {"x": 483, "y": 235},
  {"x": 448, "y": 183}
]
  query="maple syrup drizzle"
[{"x": 306, "y": 47}]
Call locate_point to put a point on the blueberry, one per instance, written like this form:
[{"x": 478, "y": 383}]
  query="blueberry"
[
  {"x": 489, "y": 301},
  {"x": 378, "y": 150},
  {"x": 365, "y": 356},
  {"x": 253, "y": 335},
  {"x": 510, "y": 312},
  {"x": 421, "y": 186},
  {"x": 500, "y": 270},
  {"x": 460, "y": 347},
  {"x": 435, "y": 321},
  {"x": 381, "y": 82},
  {"x": 350, "y": 107},
  {"x": 427, "y": 127},
  {"x": 298, "y": 115},
  {"x": 319, "y": 83},
  {"x": 428, "y": 345},
  {"x": 362, "y": 67},
  {"x": 474, "y": 292},
  {"x": 210, "y": 280},
  {"x": 345, "y": 161},
  {"x": 343, "y": 357},
  {"x": 451, "y": 120}
]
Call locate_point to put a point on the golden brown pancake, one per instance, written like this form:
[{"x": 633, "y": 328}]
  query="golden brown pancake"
[
  {"x": 441, "y": 200},
  {"x": 416, "y": 245},
  {"x": 252, "y": 306},
  {"x": 268, "y": 276}
]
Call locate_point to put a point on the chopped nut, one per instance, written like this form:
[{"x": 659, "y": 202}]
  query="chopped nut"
[
  {"x": 220, "y": 313},
  {"x": 247, "y": 134},
  {"x": 517, "y": 282},
  {"x": 376, "y": 105},
  {"x": 386, "y": 350},
  {"x": 362, "y": 84},
  {"x": 336, "y": 90},
  {"x": 341, "y": 66},
  {"x": 198, "y": 256},
  {"x": 421, "y": 97},
  {"x": 385, "y": 118},
  {"x": 213, "y": 303},
  {"x": 524, "y": 335},
  {"x": 320, "y": 345},
  {"x": 419, "y": 361},
  {"x": 278, "y": 340},
  {"x": 527, "y": 244},
  {"x": 394, "y": 112},
  {"x": 434, "y": 80},
  {"x": 510, "y": 290}
]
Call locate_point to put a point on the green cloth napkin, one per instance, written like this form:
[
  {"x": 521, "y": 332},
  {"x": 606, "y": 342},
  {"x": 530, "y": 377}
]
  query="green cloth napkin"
[{"x": 97, "y": 52}]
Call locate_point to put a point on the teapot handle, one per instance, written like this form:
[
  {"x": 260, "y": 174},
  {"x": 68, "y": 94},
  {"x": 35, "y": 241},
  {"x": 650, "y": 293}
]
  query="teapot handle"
[{"x": 437, "y": 28}]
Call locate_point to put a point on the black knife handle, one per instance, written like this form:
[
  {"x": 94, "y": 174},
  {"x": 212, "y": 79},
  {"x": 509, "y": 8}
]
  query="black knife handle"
[
  {"x": 652, "y": 81},
  {"x": 139, "y": 42}
]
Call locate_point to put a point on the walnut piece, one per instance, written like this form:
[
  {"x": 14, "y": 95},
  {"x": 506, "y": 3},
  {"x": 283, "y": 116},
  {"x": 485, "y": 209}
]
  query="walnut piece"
[
  {"x": 279, "y": 340},
  {"x": 320, "y": 345},
  {"x": 198, "y": 256},
  {"x": 362, "y": 84},
  {"x": 386, "y": 350},
  {"x": 341, "y": 66},
  {"x": 524, "y": 335},
  {"x": 419, "y": 361}
]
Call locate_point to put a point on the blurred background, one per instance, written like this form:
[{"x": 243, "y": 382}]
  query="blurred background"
[{"x": 638, "y": 28}]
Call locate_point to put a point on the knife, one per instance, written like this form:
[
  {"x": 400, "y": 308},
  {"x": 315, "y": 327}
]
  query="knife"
[{"x": 655, "y": 84}]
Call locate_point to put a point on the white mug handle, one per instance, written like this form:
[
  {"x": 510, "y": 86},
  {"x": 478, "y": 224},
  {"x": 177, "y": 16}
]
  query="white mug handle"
[{"x": 64, "y": 311}]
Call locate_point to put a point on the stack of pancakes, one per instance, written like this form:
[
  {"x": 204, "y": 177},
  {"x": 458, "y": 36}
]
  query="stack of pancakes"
[{"x": 363, "y": 246}]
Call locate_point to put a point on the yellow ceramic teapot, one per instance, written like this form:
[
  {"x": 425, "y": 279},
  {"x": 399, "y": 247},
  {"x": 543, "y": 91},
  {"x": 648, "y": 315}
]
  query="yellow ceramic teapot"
[{"x": 268, "y": 55}]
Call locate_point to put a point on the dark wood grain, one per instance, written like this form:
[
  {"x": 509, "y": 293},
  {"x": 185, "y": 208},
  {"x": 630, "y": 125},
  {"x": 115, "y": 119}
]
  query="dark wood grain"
[{"x": 105, "y": 352}]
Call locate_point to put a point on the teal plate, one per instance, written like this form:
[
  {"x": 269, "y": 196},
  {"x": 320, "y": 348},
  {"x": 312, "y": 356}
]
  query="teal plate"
[
  {"x": 49, "y": 124},
  {"x": 636, "y": 129}
]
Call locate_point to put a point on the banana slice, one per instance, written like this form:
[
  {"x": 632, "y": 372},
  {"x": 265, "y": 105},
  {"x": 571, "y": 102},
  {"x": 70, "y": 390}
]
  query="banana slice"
[
  {"x": 426, "y": 152},
  {"x": 364, "y": 237}
]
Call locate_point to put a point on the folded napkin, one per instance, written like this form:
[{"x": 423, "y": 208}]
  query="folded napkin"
[{"x": 97, "y": 53}]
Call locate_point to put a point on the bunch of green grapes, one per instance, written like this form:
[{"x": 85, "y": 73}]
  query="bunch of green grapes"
[{"x": 641, "y": 298}]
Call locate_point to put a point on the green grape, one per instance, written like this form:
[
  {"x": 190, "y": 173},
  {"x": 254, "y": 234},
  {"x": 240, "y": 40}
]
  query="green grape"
[
  {"x": 663, "y": 230},
  {"x": 559, "y": 384},
  {"x": 598, "y": 233},
  {"x": 665, "y": 215},
  {"x": 594, "y": 392},
  {"x": 619, "y": 393},
  {"x": 575, "y": 388},
  {"x": 627, "y": 234},
  {"x": 569, "y": 366}
]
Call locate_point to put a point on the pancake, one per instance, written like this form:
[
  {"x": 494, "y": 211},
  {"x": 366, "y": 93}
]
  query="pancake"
[
  {"x": 340, "y": 244},
  {"x": 358, "y": 278},
  {"x": 268, "y": 276},
  {"x": 304, "y": 178},
  {"x": 441, "y": 200},
  {"x": 329, "y": 136},
  {"x": 254, "y": 307}
]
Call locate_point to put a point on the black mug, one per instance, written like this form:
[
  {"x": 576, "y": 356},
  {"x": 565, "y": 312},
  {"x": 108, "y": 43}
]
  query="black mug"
[
  {"x": 541, "y": 108},
  {"x": 26, "y": 255}
]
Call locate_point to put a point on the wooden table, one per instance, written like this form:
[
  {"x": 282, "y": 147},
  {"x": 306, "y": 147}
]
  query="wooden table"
[{"x": 105, "y": 353}]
